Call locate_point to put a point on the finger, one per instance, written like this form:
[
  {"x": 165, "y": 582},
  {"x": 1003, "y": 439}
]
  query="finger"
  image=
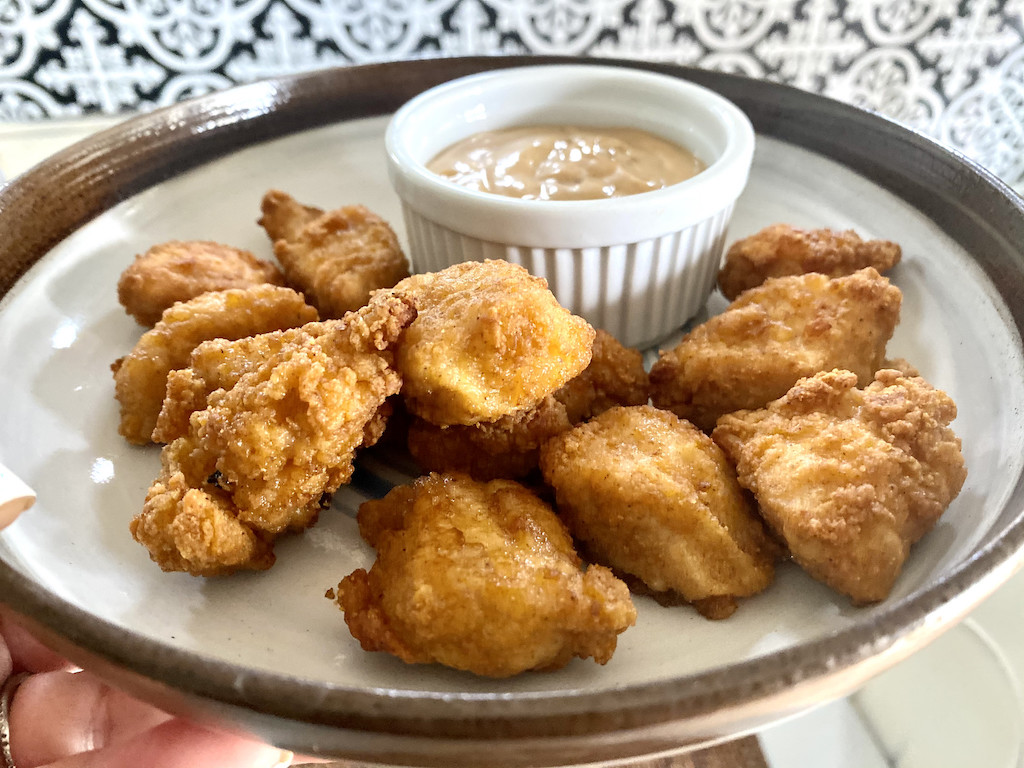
[
  {"x": 179, "y": 744},
  {"x": 57, "y": 714},
  {"x": 15, "y": 496},
  {"x": 27, "y": 653},
  {"x": 6, "y": 662}
]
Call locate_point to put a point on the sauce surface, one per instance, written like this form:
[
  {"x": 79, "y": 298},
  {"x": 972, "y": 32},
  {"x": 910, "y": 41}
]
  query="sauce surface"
[{"x": 565, "y": 162}]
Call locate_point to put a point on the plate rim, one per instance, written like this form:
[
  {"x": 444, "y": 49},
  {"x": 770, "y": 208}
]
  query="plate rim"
[{"x": 143, "y": 151}]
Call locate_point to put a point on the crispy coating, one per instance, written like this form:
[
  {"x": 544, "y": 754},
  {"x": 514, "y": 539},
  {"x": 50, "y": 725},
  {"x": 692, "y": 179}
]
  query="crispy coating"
[
  {"x": 615, "y": 376},
  {"x": 773, "y": 335},
  {"x": 191, "y": 525},
  {"x": 337, "y": 258},
  {"x": 216, "y": 364},
  {"x": 219, "y": 364},
  {"x": 781, "y": 249},
  {"x": 140, "y": 377},
  {"x": 490, "y": 340},
  {"x": 182, "y": 270},
  {"x": 651, "y": 495},
  {"x": 266, "y": 453},
  {"x": 480, "y": 577},
  {"x": 510, "y": 446},
  {"x": 850, "y": 478},
  {"x": 507, "y": 448}
]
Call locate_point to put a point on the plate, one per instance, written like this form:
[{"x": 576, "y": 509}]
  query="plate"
[{"x": 266, "y": 652}]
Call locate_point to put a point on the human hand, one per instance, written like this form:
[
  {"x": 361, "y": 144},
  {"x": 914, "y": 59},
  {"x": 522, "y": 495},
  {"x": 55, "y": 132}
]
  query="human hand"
[{"x": 59, "y": 717}]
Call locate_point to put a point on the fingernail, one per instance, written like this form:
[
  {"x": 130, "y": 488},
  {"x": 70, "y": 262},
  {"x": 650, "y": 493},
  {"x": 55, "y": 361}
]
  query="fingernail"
[{"x": 284, "y": 759}]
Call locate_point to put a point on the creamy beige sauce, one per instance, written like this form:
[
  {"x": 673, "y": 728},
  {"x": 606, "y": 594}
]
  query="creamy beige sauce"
[{"x": 565, "y": 162}]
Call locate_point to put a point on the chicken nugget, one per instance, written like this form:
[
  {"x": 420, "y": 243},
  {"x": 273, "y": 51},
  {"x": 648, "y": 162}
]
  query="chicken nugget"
[
  {"x": 782, "y": 249},
  {"x": 337, "y": 258},
  {"x": 140, "y": 377},
  {"x": 480, "y": 577},
  {"x": 772, "y": 336},
  {"x": 507, "y": 448},
  {"x": 267, "y": 453},
  {"x": 219, "y": 364},
  {"x": 181, "y": 270},
  {"x": 849, "y": 478},
  {"x": 490, "y": 340},
  {"x": 652, "y": 496},
  {"x": 510, "y": 446},
  {"x": 283, "y": 217}
]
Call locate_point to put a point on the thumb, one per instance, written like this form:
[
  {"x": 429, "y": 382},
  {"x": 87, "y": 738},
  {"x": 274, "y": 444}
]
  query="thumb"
[{"x": 180, "y": 744}]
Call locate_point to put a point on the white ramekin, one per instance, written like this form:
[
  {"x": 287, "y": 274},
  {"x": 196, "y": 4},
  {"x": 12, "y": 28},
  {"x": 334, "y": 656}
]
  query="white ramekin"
[{"x": 638, "y": 266}]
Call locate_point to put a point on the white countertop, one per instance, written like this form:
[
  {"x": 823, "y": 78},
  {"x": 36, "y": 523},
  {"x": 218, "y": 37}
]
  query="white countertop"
[{"x": 959, "y": 703}]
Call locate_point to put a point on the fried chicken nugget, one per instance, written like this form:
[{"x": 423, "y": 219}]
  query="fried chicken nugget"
[
  {"x": 507, "y": 448},
  {"x": 782, "y": 249},
  {"x": 337, "y": 258},
  {"x": 651, "y": 495},
  {"x": 181, "y": 270},
  {"x": 850, "y": 478},
  {"x": 219, "y": 364},
  {"x": 264, "y": 455},
  {"x": 510, "y": 446},
  {"x": 773, "y": 335},
  {"x": 140, "y": 377},
  {"x": 490, "y": 340},
  {"x": 480, "y": 577}
]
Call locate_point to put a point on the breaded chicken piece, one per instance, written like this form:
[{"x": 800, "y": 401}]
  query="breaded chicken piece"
[
  {"x": 140, "y": 377},
  {"x": 510, "y": 446},
  {"x": 782, "y": 249},
  {"x": 337, "y": 258},
  {"x": 507, "y": 448},
  {"x": 480, "y": 577},
  {"x": 219, "y": 364},
  {"x": 182, "y": 270},
  {"x": 265, "y": 454},
  {"x": 773, "y": 335},
  {"x": 490, "y": 340},
  {"x": 190, "y": 524},
  {"x": 849, "y": 478},
  {"x": 283, "y": 217},
  {"x": 652, "y": 496}
]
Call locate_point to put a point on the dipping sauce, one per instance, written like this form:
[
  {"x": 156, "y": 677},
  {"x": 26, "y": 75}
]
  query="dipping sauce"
[{"x": 565, "y": 162}]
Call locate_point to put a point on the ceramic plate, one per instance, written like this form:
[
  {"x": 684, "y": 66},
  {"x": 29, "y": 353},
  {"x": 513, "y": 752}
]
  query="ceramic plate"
[{"x": 266, "y": 652}]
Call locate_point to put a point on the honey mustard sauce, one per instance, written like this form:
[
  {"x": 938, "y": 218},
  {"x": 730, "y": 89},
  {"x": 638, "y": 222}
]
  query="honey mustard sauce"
[{"x": 564, "y": 162}]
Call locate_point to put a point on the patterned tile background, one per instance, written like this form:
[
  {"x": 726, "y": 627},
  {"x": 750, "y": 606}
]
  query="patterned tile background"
[{"x": 950, "y": 68}]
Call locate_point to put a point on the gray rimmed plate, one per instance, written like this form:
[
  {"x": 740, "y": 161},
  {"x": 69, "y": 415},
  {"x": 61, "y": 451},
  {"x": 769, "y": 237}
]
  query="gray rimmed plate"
[{"x": 266, "y": 652}]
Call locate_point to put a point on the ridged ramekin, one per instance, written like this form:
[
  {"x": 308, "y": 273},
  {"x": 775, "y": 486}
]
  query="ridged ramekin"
[{"x": 638, "y": 266}]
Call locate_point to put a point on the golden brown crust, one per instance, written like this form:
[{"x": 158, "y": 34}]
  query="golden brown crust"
[
  {"x": 283, "y": 217},
  {"x": 615, "y": 376},
  {"x": 480, "y": 577},
  {"x": 781, "y": 249},
  {"x": 337, "y": 258},
  {"x": 653, "y": 496},
  {"x": 849, "y": 478},
  {"x": 269, "y": 450},
  {"x": 510, "y": 446},
  {"x": 140, "y": 377},
  {"x": 181, "y": 270},
  {"x": 507, "y": 448},
  {"x": 490, "y": 340},
  {"x": 772, "y": 336}
]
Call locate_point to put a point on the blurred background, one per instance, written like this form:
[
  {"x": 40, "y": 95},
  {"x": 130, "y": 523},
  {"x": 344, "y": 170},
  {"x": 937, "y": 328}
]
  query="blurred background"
[{"x": 953, "y": 69}]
